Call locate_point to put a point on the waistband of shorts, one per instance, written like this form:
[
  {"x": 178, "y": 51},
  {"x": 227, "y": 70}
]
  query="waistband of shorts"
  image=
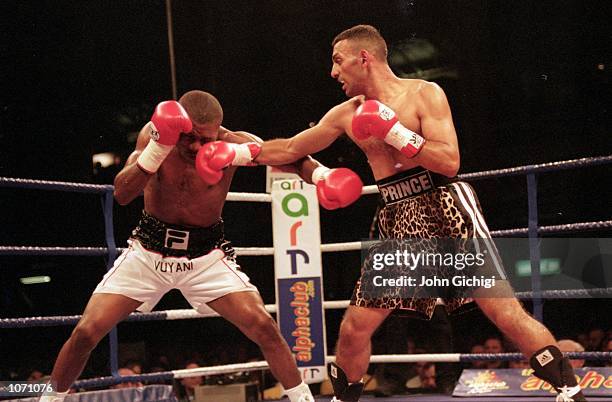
[
  {"x": 175, "y": 240},
  {"x": 409, "y": 184}
]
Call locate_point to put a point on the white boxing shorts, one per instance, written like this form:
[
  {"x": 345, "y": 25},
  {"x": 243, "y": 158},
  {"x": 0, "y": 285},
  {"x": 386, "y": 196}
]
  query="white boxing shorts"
[{"x": 146, "y": 276}]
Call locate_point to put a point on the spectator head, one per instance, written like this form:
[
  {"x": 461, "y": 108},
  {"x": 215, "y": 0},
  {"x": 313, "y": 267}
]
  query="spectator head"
[
  {"x": 419, "y": 365},
  {"x": 133, "y": 365},
  {"x": 608, "y": 348},
  {"x": 410, "y": 346},
  {"x": 515, "y": 364},
  {"x": 583, "y": 339},
  {"x": 191, "y": 382},
  {"x": 35, "y": 375},
  {"x": 478, "y": 363},
  {"x": 568, "y": 345},
  {"x": 428, "y": 376},
  {"x": 596, "y": 337},
  {"x": 519, "y": 364},
  {"x": 494, "y": 345},
  {"x": 125, "y": 372}
]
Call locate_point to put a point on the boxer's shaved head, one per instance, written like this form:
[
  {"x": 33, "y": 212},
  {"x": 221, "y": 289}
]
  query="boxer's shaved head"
[
  {"x": 364, "y": 37},
  {"x": 202, "y": 107}
]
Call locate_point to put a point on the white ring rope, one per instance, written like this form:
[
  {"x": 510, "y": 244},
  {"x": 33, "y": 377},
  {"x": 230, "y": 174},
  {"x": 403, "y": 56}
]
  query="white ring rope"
[
  {"x": 358, "y": 245},
  {"x": 260, "y": 365},
  {"x": 424, "y": 357},
  {"x": 325, "y": 248},
  {"x": 184, "y": 314},
  {"x": 264, "y": 197},
  {"x": 253, "y": 197}
]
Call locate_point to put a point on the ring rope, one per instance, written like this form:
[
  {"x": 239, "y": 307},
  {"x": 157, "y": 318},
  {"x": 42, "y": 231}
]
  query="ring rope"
[
  {"x": 15, "y": 182},
  {"x": 252, "y": 197},
  {"x": 54, "y": 185},
  {"x": 326, "y": 248},
  {"x": 262, "y": 365},
  {"x": 520, "y": 170},
  {"x": 182, "y": 314},
  {"x": 263, "y": 197},
  {"x": 539, "y": 168}
]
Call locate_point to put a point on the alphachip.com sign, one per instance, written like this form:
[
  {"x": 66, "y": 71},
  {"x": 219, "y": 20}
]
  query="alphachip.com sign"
[{"x": 298, "y": 272}]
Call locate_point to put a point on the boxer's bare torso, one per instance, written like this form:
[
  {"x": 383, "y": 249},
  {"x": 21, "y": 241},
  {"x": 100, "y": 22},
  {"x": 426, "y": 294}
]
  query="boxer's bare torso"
[
  {"x": 175, "y": 193},
  {"x": 410, "y": 99},
  {"x": 384, "y": 160}
]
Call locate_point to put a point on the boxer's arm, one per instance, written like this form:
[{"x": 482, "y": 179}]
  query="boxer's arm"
[
  {"x": 283, "y": 151},
  {"x": 336, "y": 188},
  {"x": 237, "y": 137},
  {"x": 132, "y": 179},
  {"x": 304, "y": 167},
  {"x": 441, "y": 151}
]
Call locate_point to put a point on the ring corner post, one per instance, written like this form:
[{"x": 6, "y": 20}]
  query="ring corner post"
[
  {"x": 107, "y": 203},
  {"x": 534, "y": 245}
]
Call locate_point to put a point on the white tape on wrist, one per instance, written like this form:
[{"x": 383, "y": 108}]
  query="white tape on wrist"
[
  {"x": 399, "y": 137},
  {"x": 243, "y": 155},
  {"x": 153, "y": 155},
  {"x": 319, "y": 174}
]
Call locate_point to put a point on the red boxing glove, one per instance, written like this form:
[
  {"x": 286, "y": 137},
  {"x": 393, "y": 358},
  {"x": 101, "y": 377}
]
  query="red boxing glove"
[
  {"x": 167, "y": 123},
  {"x": 215, "y": 156},
  {"x": 373, "y": 118},
  {"x": 336, "y": 188}
]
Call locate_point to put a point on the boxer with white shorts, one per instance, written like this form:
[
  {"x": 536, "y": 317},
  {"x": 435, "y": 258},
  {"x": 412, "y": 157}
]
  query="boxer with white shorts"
[
  {"x": 179, "y": 242},
  {"x": 198, "y": 262}
]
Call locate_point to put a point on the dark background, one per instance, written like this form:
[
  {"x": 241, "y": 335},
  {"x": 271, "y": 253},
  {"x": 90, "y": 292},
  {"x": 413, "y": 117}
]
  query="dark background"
[{"x": 527, "y": 82}]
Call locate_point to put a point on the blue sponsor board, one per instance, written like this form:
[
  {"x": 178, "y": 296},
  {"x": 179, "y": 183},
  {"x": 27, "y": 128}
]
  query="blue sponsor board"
[
  {"x": 300, "y": 316},
  {"x": 594, "y": 381}
]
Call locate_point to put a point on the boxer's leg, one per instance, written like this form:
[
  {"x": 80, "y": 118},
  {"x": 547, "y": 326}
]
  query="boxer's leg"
[
  {"x": 499, "y": 304},
  {"x": 123, "y": 289},
  {"x": 246, "y": 311},
  {"x": 535, "y": 341},
  {"x": 354, "y": 349},
  {"x": 102, "y": 313}
]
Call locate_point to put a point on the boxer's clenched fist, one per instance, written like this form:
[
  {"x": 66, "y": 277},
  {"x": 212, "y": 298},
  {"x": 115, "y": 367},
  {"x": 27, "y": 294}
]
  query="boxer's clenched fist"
[
  {"x": 215, "y": 156},
  {"x": 336, "y": 188},
  {"x": 167, "y": 123},
  {"x": 374, "y": 119}
]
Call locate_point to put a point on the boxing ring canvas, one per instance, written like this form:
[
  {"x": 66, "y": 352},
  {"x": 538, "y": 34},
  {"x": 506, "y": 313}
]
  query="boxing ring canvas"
[{"x": 447, "y": 398}]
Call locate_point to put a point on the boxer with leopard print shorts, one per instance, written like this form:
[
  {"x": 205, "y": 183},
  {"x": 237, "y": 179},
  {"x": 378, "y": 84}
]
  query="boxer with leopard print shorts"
[{"x": 427, "y": 212}]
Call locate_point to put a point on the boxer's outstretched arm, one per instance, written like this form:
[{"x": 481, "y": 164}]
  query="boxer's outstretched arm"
[
  {"x": 283, "y": 151},
  {"x": 304, "y": 167},
  {"x": 237, "y": 137}
]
